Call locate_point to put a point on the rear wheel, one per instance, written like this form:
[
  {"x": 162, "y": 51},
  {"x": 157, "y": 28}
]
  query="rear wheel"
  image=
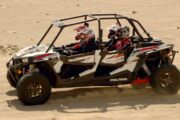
[
  {"x": 165, "y": 80},
  {"x": 33, "y": 89}
]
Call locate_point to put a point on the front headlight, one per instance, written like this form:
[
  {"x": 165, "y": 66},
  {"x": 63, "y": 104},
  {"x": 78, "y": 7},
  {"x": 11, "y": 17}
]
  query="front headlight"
[{"x": 25, "y": 60}]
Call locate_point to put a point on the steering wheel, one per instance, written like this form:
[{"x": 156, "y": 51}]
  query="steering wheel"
[{"x": 66, "y": 51}]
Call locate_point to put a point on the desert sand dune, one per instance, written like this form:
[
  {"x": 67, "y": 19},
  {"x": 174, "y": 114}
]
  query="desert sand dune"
[{"x": 22, "y": 23}]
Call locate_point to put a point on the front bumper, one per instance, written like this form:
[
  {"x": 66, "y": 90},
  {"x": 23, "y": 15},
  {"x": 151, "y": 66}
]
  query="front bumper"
[{"x": 11, "y": 65}]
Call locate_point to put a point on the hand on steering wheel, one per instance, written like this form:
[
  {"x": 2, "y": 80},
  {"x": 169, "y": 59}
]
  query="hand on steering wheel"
[{"x": 66, "y": 50}]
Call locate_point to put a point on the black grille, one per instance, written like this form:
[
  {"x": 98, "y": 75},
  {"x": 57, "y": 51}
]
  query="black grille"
[{"x": 17, "y": 61}]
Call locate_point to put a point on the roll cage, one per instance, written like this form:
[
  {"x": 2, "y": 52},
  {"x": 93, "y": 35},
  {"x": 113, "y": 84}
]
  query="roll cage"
[{"x": 94, "y": 17}]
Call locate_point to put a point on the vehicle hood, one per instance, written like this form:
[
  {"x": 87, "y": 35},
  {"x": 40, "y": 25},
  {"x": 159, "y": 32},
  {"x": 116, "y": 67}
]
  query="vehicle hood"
[{"x": 33, "y": 51}]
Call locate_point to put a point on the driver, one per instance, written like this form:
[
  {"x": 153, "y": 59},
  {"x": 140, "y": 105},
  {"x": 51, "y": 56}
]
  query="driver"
[
  {"x": 86, "y": 38},
  {"x": 119, "y": 38}
]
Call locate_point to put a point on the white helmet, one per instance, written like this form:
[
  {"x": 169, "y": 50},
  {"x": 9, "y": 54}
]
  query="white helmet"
[
  {"x": 118, "y": 31},
  {"x": 88, "y": 32},
  {"x": 114, "y": 28}
]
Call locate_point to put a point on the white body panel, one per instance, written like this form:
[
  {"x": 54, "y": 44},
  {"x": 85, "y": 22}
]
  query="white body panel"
[
  {"x": 33, "y": 51},
  {"x": 113, "y": 58},
  {"x": 83, "y": 59}
]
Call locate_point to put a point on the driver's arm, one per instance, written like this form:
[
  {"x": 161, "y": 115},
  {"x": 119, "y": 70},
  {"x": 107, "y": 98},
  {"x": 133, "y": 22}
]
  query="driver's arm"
[{"x": 110, "y": 45}]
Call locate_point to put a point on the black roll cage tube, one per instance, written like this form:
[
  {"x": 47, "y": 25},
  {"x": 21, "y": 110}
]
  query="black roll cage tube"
[{"x": 98, "y": 18}]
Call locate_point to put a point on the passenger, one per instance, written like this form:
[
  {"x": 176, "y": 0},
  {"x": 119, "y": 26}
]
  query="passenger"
[
  {"x": 119, "y": 38},
  {"x": 110, "y": 45},
  {"x": 86, "y": 38},
  {"x": 123, "y": 40}
]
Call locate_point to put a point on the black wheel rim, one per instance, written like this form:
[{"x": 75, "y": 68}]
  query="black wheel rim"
[
  {"x": 34, "y": 89},
  {"x": 167, "y": 80}
]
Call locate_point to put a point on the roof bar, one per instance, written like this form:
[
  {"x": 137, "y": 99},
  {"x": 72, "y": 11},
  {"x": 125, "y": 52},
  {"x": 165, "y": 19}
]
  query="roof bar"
[
  {"x": 44, "y": 35},
  {"x": 69, "y": 18},
  {"x": 103, "y": 14},
  {"x": 89, "y": 15},
  {"x": 80, "y": 22},
  {"x": 54, "y": 39}
]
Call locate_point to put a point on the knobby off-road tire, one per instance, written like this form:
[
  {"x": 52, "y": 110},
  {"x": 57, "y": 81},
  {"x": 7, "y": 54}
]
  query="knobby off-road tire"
[
  {"x": 10, "y": 80},
  {"x": 166, "y": 80},
  {"x": 33, "y": 89}
]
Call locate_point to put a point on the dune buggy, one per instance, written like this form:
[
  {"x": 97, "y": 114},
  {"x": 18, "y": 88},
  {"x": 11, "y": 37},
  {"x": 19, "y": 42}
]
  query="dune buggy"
[{"x": 34, "y": 70}]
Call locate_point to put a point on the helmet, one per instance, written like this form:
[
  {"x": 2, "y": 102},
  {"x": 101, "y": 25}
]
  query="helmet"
[
  {"x": 124, "y": 32},
  {"x": 85, "y": 34},
  {"x": 81, "y": 27},
  {"x": 113, "y": 30},
  {"x": 118, "y": 31}
]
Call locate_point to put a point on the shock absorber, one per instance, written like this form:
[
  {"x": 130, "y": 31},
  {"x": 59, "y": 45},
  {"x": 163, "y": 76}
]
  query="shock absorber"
[{"x": 32, "y": 68}]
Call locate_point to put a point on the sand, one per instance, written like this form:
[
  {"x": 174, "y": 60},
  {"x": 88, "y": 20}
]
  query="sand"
[{"x": 22, "y": 23}]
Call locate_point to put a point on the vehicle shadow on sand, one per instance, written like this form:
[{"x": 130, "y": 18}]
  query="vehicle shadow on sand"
[{"x": 99, "y": 99}]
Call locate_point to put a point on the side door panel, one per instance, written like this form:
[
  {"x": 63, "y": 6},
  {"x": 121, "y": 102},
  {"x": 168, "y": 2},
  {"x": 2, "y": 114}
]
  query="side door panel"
[
  {"x": 112, "y": 58},
  {"x": 80, "y": 59}
]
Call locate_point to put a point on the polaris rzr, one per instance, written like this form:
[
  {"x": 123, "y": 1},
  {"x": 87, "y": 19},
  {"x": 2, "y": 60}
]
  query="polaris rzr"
[{"x": 34, "y": 70}]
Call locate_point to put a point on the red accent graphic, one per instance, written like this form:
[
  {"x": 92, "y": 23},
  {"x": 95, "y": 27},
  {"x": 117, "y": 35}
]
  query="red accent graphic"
[
  {"x": 140, "y": 81},
  {"x": 77, "y": 46},
  {"x": 42, "y": 56},
  {"x": 116, "y": 56},
  {"x": 149, "y": 48}
]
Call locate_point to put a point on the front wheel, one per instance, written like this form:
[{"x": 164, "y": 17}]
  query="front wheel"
[
  {"x": 33, "y": 89},
  {"x": 10, "y": 79},
  {"x": 165, "y": 80}
]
